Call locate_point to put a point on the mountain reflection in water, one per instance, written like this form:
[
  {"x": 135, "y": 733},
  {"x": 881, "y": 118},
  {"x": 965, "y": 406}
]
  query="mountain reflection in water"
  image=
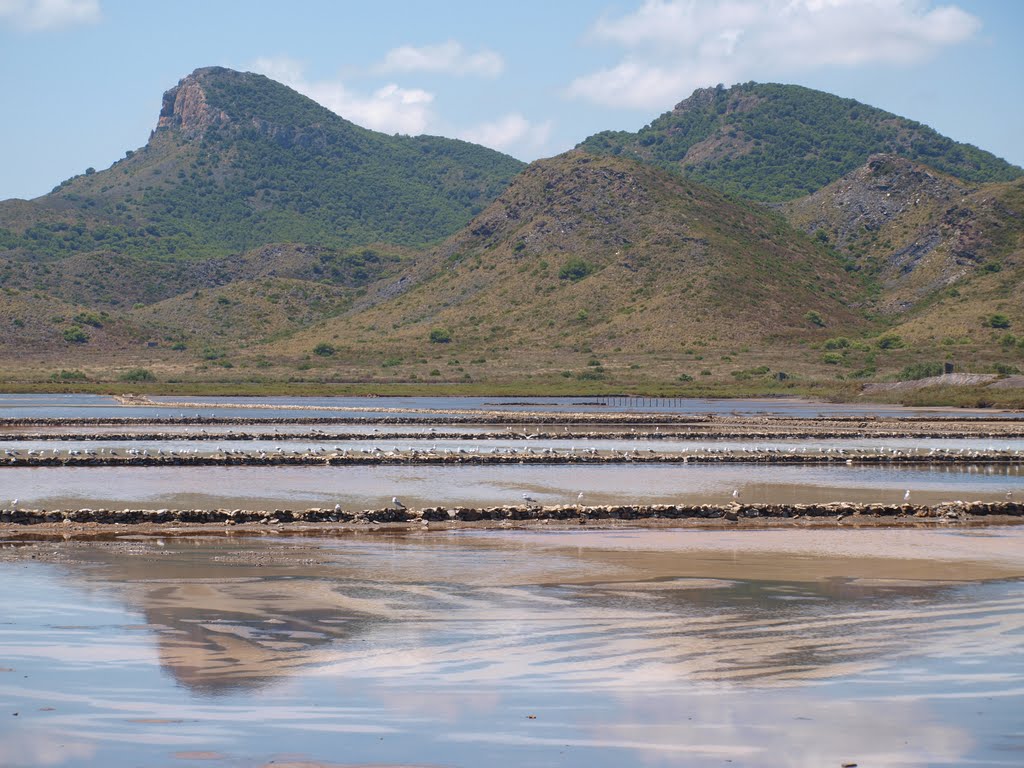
[{"x": 626, "y": 647}]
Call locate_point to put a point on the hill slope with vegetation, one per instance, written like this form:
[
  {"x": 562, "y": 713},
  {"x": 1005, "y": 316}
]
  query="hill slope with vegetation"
[
  {"x": 237, "y": 161},
  {"x": 772, "y": 142},
  {"x": 597, "y": 258},
  {"x": 260, "y": 240},
  {"x": 946, "y": 257}
]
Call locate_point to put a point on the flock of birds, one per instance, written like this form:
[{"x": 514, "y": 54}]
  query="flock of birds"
[
  {"x": 397, "y": 503},
  {"x": 413, "y": 452},
  {"x": 850, "y": 454}
]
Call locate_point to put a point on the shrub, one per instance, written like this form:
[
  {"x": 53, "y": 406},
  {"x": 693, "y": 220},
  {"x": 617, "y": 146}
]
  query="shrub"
[
  {"x": 839, "y": 342},
  {"x": 68, "y": 376},
  {"x": 324, "y": 349},
  {"x": 921, "y": 371},
  {"x": 137, "y": 374},
  {"x": 814, "y": 318},
  {"x": 87, "y": 318},
  {"x": 440, "y": 336},
  {"x": 832, "y": 358},
  {"x": 996, "y": 321},
  {"x": 575, "y": 269},
  {"x": 685, "y": 377},
  {"x": 1006, "y": 370},
  {"x": 75, "y": 335},
  {"x": 890, "y": 341}
]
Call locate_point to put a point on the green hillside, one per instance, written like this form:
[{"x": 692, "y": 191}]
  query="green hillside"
[
  {"x": 772, "y": 142},
  {"x": 238, "y": 161}
]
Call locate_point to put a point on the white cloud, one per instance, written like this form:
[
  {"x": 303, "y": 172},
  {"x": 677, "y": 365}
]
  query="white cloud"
[
  {"x": 449, "y": 57},
  {"x": 674, "y": 46},
  {"x": 49, "y": 14},
  {"x": 391, "y": 109},
  {"x": 512, "y": 131},
  {"x": 394, "y": 109}
]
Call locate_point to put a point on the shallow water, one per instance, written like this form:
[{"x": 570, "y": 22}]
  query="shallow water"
[
  {"x": 582, "y": 648},
  {"x": 372, "y": 487},
  {"x": 102, "y": 406}
]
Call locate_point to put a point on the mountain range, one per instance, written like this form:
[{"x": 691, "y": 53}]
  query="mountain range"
[{"x": 760, "y": 236}]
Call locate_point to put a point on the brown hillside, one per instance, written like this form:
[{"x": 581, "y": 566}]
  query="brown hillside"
[
  {"x": 914, "y": 229},
  {"x": 607, "y": 255}
]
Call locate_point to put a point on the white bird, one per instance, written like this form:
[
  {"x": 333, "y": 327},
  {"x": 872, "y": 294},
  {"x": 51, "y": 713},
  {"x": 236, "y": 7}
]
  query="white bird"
[
  {"x": 14, "y": 503},
  {"x": 527, "y": 497},
  {"x": 579, "y": 497},
  {"x": 735, "y": 493},
  {"x": 337, "y": 507},
  {"x": 396, "y": 503},
  {"x": 906, "y": 496}
]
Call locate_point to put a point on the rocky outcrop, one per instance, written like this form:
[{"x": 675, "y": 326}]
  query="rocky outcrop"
[
  {"x": 185, "y": 107},
  {"x": 916, "y": 229},
  {"x": 886, "y": 187}
]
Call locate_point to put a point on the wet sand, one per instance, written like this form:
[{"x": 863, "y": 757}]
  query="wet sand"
[{"x": 711, "y": 549}]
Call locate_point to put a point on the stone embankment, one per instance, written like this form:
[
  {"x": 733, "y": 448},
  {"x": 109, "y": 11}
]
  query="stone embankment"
[
  {"x": 836, "y": 512},
  {"x": 721, "y": 432},
  {"x": 539, "y": 457}
]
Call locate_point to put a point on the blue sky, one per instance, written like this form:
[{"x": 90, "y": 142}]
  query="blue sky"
[{"x": 82, "y": 79}]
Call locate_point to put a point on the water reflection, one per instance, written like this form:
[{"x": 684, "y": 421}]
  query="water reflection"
[{"x": 454, "y": 650}]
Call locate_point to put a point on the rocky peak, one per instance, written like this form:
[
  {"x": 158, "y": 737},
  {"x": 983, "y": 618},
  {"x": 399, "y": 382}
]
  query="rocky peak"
[
  {"x": 701, "y": 99},
  {"x": 185, "y": 107}
]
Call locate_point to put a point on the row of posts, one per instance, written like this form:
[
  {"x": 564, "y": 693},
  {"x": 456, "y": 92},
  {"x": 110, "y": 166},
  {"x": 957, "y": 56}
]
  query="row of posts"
[{"x": 623, "y": 401}]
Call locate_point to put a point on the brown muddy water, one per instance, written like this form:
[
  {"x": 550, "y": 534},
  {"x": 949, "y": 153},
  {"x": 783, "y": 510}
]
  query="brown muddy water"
[{"x": 589, "y": 648}]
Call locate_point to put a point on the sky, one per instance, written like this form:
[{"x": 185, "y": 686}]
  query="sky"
[{"x": 82, "y": 80}]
